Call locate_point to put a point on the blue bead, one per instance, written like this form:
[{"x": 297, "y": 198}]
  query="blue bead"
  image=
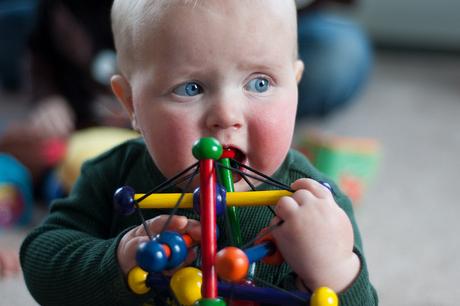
[
  {"x": 326, "y": 184},
  {"x": 151, "y": 256},
  {"x": 123, "y": 200},
  {"x": 177, "y": 246},
  {"x": 221, "y": 200}
]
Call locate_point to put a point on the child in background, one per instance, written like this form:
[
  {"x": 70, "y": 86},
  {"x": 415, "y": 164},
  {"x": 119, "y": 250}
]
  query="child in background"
[{"x": 192, "y": 69}]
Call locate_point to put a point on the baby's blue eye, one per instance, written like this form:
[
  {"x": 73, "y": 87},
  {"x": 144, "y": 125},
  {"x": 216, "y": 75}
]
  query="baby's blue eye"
[
  {"x": 188, "y": 89},
  {"x": 258, "y": 85}
]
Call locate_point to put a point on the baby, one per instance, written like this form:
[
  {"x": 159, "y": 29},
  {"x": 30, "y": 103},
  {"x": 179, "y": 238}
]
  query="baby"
[{"x": 191, "y": 69}]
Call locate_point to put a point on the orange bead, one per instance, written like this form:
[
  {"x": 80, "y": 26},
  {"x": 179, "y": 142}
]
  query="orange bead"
[
  {"x": 232, "y": 264},
  {"x": 188, "y": 240},
  {"x": 167, "y": 250}
]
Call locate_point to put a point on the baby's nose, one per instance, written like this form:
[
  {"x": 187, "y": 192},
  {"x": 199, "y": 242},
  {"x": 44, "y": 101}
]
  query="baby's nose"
[{"x": 225, "y": 115}]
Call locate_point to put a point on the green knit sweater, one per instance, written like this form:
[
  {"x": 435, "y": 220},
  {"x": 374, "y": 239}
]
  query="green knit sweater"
[{"x": 71, "y": 258}]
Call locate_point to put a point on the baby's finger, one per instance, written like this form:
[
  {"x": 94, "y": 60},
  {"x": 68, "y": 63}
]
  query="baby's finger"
[
  {"x": 132, "y": 244},
  {"x": 191, "y": 256},
  {"x": 177, "y": 223},
  {"x": 275, "y": 220},
  {"x": 315, "y": 187},
  {"x": 193, "y": 228},
  {"x": 304, "y": 197},
  {"x": 126, "y": 252},
  {"x": 286, "y": 207}
]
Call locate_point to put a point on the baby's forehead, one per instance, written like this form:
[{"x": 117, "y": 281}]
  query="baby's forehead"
[
  {"x": 137, "y": 23},
  {"x": 152, "y": 10}
]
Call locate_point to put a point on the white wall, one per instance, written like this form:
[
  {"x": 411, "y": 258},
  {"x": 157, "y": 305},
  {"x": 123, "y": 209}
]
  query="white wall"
[{"x": 424, "y": 23}]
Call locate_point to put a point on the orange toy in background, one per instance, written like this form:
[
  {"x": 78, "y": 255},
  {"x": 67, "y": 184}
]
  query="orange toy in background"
[{"x": 351, "y": 162}]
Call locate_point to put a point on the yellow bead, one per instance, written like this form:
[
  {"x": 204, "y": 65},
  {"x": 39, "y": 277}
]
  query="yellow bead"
[
  {"x": 324, "y": 296},
  {"x": 137, "y": 280},
  {"x": 186, "y": 285}
]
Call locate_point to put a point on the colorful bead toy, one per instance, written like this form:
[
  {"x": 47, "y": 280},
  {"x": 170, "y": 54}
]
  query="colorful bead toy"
[{"x": 168, "y": 250}]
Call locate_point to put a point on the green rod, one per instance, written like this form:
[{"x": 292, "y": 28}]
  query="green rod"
[{"x": 226, "y": 178}]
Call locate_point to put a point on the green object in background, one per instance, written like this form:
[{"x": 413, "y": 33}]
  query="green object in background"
[{"x": 351, "y": 162}]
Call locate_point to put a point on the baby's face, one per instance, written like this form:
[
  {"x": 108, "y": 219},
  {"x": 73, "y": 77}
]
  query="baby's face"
[{"x": 225, "y": 70}]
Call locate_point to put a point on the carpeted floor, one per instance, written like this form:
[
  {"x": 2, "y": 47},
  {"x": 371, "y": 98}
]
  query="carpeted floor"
[{"x": 408, "y": 218}]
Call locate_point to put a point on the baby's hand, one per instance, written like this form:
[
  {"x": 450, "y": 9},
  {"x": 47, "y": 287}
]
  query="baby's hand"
[
  {"x": 316, "y": 238},
  {"x": 126, "y": 251}
]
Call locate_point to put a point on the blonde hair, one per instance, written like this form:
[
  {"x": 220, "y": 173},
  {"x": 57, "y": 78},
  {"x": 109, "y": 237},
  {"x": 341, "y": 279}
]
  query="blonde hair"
[
  {"x": 125, "y": 17},
  {"x": 128, "y": 20}
]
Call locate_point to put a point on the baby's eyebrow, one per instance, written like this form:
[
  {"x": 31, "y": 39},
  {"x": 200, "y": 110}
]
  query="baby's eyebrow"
[{"x": 259, "y": 65}]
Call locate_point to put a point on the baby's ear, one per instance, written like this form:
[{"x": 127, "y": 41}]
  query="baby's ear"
[
  {"x": 122, "y": 90},
  {"x": 299, "y": 67}
]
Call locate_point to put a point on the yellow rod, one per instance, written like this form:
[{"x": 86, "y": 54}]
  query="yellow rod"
[{"x": 251, "y": 198}]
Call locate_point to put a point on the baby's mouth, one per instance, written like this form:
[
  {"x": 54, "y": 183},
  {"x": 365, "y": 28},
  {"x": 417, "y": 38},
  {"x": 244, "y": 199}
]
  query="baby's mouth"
[{"x": 236, "y": 156}]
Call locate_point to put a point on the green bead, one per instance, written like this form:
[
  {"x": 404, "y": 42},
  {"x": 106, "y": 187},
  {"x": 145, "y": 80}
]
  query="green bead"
[
  {"x": 207, "y": 148},
  {"x": 210, "y": 302}
]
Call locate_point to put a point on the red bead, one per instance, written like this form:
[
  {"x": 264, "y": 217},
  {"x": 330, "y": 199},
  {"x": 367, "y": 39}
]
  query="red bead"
[{"x": 228, "y": 153}]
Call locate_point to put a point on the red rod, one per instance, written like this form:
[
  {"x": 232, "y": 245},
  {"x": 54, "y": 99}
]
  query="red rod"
[{"x": 208, "y": 227}]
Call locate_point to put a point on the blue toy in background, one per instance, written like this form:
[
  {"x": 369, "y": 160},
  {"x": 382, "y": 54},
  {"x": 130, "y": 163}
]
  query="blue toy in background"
[
  {"x": 16, "y": 197},
  {"x": 52, "y": 188}
]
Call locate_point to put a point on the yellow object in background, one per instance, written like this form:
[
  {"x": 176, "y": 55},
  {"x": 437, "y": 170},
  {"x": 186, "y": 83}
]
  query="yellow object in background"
[{"x": 86, "y": 144}]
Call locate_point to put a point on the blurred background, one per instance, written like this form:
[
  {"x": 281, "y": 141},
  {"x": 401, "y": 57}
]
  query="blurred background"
[{"x": 379, "y": 111}]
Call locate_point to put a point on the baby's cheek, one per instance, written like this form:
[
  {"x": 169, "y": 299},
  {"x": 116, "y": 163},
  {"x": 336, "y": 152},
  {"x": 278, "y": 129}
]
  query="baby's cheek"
[
  {"x": 170, "y": 147},
  {"x": 271, "y": 142},
  {"x": 281, "y": 137}
]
